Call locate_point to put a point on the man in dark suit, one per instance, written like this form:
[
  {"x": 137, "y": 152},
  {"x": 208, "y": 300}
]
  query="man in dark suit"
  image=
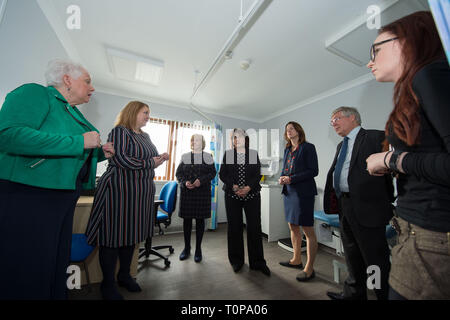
[{"x": 364, "y": 204}]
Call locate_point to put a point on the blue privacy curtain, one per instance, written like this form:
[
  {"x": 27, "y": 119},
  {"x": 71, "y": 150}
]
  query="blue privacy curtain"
[
  {"x": 441, "y": 14},
  {"x": 216, "y": 138}
]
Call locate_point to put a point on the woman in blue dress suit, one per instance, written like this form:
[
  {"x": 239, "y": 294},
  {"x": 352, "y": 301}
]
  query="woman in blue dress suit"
[{"x": 299, "y": 189}]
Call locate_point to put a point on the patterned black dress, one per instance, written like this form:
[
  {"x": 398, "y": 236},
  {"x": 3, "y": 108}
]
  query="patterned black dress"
[
  {"x": 195, "y": 203},
  {"x": 123, "y": 202}
]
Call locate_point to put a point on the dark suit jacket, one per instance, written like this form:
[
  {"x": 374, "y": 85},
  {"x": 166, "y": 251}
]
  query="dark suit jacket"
[
  {"x": 371, "y": 196},
  {"x": 229, "y": 171},
  {"x": 304, "y": 169}
]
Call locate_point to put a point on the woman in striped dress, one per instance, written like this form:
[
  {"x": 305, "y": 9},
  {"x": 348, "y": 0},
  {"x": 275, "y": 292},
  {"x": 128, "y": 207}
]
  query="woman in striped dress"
[{"x": 122, "y": 210}]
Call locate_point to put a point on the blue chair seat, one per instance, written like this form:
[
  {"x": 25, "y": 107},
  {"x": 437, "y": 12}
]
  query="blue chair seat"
[
  {"x": 390, "y": 232},
  {"x": 330, "y": 219},
  {"x": 80, "y": 248},
  {"x": 161, "y": 216},
  {"x": 80, "y": 251}
]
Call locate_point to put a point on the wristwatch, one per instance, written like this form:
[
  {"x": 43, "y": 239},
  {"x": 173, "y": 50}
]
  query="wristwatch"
[{"x": 393, "y": 160}]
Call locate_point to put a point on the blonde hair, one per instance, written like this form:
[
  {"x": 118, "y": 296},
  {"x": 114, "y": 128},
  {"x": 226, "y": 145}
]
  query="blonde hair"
[
  {"x": 128, "y": 116},
  {"x": 193, "y": 138}
]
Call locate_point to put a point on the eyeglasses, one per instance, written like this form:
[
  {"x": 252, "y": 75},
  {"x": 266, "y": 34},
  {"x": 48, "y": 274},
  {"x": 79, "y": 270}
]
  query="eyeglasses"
[
  {"x": 334, "y": 120},
  {"x": 373, "y": 52}
]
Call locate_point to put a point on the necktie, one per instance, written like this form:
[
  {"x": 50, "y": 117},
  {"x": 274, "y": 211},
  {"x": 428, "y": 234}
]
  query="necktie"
[{"x": 339, "y": 165}]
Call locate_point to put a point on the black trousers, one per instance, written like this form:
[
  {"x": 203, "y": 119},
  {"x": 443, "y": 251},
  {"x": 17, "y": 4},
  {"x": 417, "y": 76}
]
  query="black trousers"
[
  {"x": 363, "y": 247},
  {"x": 35, "y": 241},
  {"x": 252, "y": 209}
]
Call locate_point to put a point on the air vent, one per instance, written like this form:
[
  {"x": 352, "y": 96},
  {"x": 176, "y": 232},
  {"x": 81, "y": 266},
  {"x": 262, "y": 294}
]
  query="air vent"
[{"x": 353, "y": 43}]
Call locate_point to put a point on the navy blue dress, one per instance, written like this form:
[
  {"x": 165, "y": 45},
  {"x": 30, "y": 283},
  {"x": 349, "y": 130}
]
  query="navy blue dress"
[{"x": 301, "y": 166}]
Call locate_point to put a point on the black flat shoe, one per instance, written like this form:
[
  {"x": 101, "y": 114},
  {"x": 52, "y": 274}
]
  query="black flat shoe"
[
  {"x": 265, "y": 269},
  {"x": 341, "y": 296},
  {"x": 109, "y": 292},
  {"x": 236, "y": 267},
  {"x": 303, "y": 277},
  {"x": 289, "y": 265},
  {"x": 198, "y": 256},
  {"x": 129, "y": 283},
  {"x": 185, "y": 254}
]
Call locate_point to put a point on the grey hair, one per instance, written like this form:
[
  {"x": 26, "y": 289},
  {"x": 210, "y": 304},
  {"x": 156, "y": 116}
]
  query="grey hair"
[
  {"x": 347, "y": 112},
  {"x": 57, "y": 68},
  {"x": 240, "y": 132}
]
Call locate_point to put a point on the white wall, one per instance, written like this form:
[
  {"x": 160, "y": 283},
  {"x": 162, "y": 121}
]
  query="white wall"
[
  {"x": 27, "y": 44},
  {"x": 103, "y": 109}
]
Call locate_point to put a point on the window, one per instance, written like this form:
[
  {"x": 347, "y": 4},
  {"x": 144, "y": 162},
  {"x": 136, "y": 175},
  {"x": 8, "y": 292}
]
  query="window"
[{"x": 174, "y": 138}]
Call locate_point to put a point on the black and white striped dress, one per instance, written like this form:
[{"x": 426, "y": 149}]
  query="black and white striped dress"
[{"x": 123, "y": 202}]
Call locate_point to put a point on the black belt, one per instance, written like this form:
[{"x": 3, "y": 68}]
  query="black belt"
[{"x": 345, "y": 194}]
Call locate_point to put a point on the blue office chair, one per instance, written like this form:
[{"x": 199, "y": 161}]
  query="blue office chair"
[
  {"x": 80, "y": 251},
  {"x": 167, "y": 202}
]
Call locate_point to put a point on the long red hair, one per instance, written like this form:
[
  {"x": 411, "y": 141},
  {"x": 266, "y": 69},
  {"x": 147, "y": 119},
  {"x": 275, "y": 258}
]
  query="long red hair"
[{"x": 421, "y": 45}]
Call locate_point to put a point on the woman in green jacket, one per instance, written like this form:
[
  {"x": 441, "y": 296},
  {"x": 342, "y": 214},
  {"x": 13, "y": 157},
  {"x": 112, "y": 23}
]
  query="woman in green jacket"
[{"x": 48, "y": 153}]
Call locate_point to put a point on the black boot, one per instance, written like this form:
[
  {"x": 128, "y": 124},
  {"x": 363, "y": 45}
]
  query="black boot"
[
  {"x": 108, "y": 261},
  {"x": 124, "y": 278},
  {"x": 198, "y": 255},
  {"x": 187, "y": 228},
  {"x": 199, "y": 230}
]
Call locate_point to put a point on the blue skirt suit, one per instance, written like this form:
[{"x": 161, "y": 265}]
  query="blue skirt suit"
[{"x": 301, "y": 166}]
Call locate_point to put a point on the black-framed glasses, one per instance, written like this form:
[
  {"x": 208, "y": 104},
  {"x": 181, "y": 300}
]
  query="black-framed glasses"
[{"x": 373, "y": 52}]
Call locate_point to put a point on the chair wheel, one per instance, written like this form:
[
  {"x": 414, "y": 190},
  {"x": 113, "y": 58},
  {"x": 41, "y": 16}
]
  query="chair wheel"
[
  {"x": 167, "y": 263},
  {"x": 171, "y": 250}
]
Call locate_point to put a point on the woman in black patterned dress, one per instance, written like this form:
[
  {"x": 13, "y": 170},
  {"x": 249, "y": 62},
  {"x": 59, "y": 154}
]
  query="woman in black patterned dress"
[
  {"x": 123, "y": 203},
  {"x": 241, "y": 172},
  {"x": 194, "y": 173}
]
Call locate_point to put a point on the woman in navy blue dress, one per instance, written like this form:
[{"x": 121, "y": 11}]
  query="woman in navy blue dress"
[{"x": 299, "y": 190}]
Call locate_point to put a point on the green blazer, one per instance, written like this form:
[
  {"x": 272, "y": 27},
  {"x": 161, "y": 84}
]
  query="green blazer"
[{"x": 41, "y": 139}]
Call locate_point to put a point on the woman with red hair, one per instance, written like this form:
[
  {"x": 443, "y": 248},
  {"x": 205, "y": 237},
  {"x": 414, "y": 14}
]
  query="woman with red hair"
[{"x": 409, "y": 53}]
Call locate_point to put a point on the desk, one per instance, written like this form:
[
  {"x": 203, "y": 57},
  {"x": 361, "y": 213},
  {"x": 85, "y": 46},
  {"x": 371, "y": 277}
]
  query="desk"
[{"x": 80, "y": 220}]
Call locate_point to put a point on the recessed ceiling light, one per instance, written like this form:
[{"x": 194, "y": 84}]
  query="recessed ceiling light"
[{"x": 132, "y": 67}]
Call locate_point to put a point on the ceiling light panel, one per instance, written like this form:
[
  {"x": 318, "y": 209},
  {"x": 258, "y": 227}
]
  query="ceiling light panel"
[{"x": 131, "y": 67}]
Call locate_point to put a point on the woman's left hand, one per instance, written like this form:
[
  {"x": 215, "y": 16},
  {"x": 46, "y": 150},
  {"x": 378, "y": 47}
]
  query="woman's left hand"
[
  {"x": 376, "y": 163},
  {"x": 243, "y": 191},
  {"x": 196, "y": 183},
  {"x": 108, "y": 150},
  {"x": 165, "y": 156}
]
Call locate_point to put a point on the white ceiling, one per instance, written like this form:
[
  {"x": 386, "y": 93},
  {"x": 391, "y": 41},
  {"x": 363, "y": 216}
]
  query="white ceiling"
[{"x": 290, "y": 65}]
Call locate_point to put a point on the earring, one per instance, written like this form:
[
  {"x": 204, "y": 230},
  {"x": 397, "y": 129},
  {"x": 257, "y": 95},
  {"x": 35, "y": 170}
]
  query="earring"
[{"x": 68, "y": 88}]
